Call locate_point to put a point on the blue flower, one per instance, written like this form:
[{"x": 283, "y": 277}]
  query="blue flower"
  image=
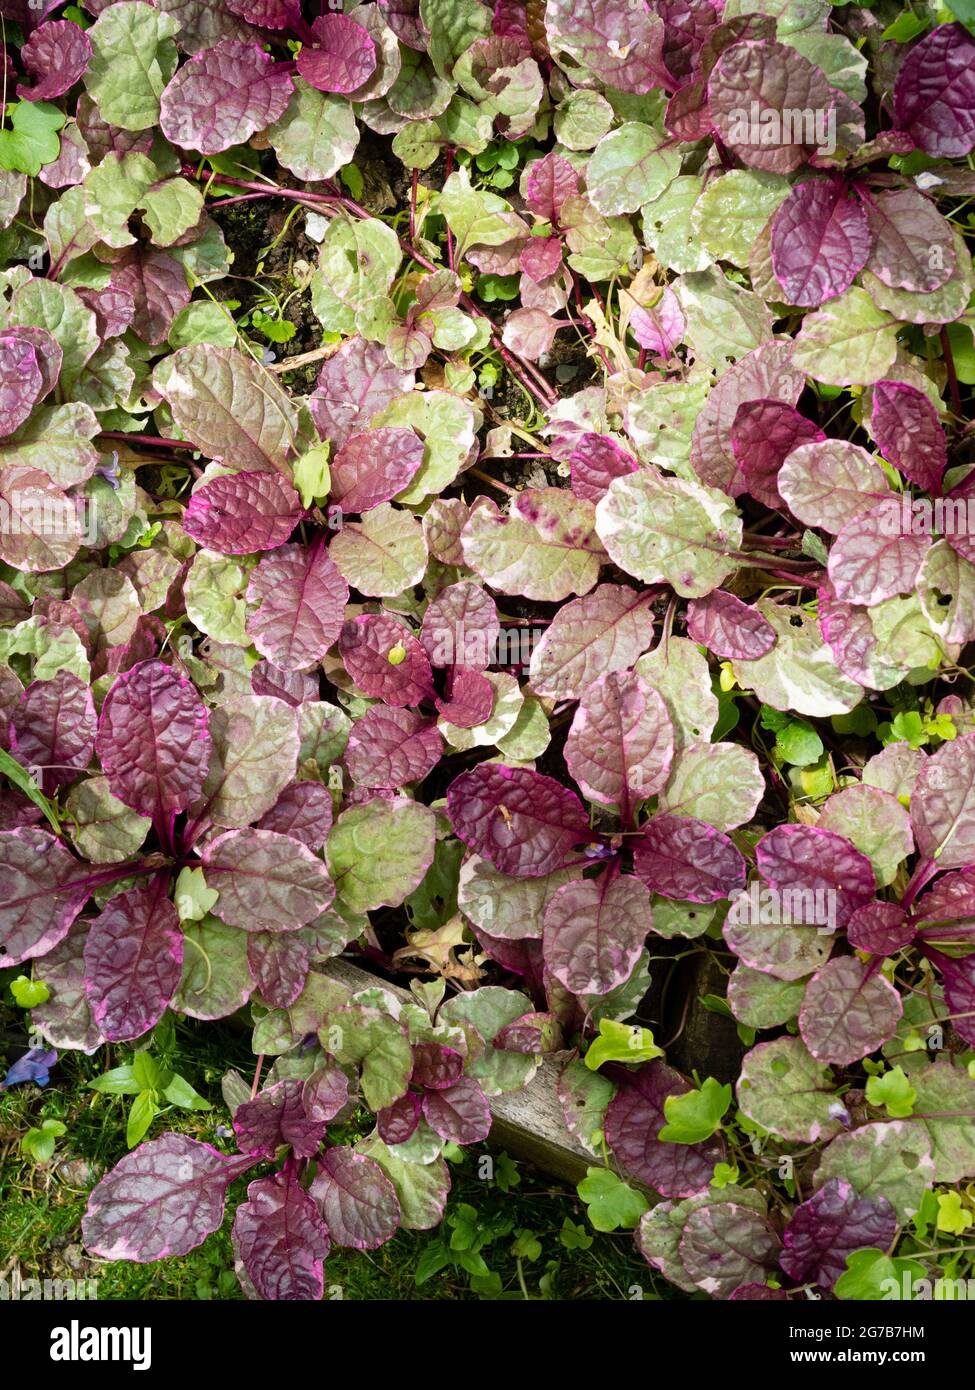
[{"x": 33, "y": 1066}]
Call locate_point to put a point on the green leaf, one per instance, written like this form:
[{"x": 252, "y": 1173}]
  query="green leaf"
[
  {"x": 22, "y": 779},
  {"x": 147, "y": 1071},
  {"x": 179, "y": 1092},
  {"x": 574, "y": 1237},
  {"x": 621, "y": 1042},
  {"x": 28, "y": 993},
  {"x": 609, "y": 1201},
  {"x": 697, "y": 1115},
  {"x": 798, "y": 743},
  {"x": 193, "y": 899},
  {"x": 133, "y": 59},
  {"x": 33, "y": 141},
  {"x": 311, "y": 475},
  {"x": 872, "y": 1275},
  {"x": 120, "y": 1081},
  {"x": 141, "y": 1115},
  {"x": 952, "y": 1216},
  {"x": 38, "y": 1144},
  {"x": 629, "y": 167}
]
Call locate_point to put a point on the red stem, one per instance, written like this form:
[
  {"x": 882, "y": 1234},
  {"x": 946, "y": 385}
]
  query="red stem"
[{"x": 154, "y": 439}]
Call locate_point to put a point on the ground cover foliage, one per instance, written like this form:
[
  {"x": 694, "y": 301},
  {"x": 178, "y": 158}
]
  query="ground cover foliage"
[{"x": 548, "y": 551}]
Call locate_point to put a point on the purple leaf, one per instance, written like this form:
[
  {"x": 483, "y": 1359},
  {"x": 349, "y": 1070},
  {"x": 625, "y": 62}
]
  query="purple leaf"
[
  {"x": 828, "y": 1227},
  {"x": 356, "y": 1198},
  {"x": 281, "y": 1240},
  {"x": 325, "y": 1092},
  {"x": 42, "y": 532},
  {"x": 724, "y": 1243},
  {"x": 52, "y": 728},
  {"x": 275, "y": 1117},
  {"x": 871, "y": 560},
  {"x": 909, "y": 434},
  {"x": 153, "y": 742},
  {"x": 620, "y": 41},
  {"x": 536, "y": 1035},
  {"x": 820, "y": 241},
  {"x": 403, "y": 17},
  {"x": 621, "y": 742},
  {"x": 634, "y": 1119},
  {"x": 372, "y": 467},
  {"x": 959, "y": 985},
  {"x": 548, "y": 182},
  {"x": 947, "y": 911},
  {"x": 280, "y": 961},
  {"x": 943, "y": 805},
  {"x": 389, "y": 747},
  {"x": 56, "y": 54},
  {"x": 881, "y": 928},
  {"x": 353, "y": 386},
  {"x": 731, "y": 629},
  {"x": 460, "y": 1113},
  {"x": 810, "y": 860},
  {"x": 301, "y": 598},
  {"x": 831, "y": 482},
  {"x": 606, "y": 630},
  {"x": 461, "y": 627},
  {"x": 595, "y": 462},
  {"x": 268, "y": 14},
  {"x": 397, "y": 1123},
  {"x": 758, "y": 87},
  {"x": 240, "y": 513},
  {"x": 156, "y": 283},
  {"x": 683, "y": 858},
  {"x": 133, "y": 961},
  {"x": 385, "y": 660},
  {"x": 763, "y": 435},
  {"x": 470, "y": 699},
  {"x": 541, "y": 258},
  {"x": 847, "y": 1012},
  {"x": 293, "y": 687},
  {"x": 35, "y": 1066},
  {"x": 21, "y": 382},
  {"x": 934, "y": 96},
  {"x": 223, "y": 96},
  {"x": 304, "y": 811},
  {"x": 659, "y": 329},
  {"x": 594, "y": 931},
  {"x": 266, "y": 881},
  {"x": 113, "y": 307},
  {"x": 435, "y": 1066},
  {"x": 163, "y": 1199},
  {"x": 913, "y": 244},
  {"x": 766, "y": 373},
  {"x": 525, "y": 823},
  {"x": 42, "y": 890},
  {"x": 342, "y": 58}
]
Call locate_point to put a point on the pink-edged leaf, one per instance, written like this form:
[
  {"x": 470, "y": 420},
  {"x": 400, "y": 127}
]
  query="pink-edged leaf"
[
  {"x": 958, "y": 977},
  {"x": 461, "y": 627},
  {"x": 541, "y": 258},
  {"x": 280, "y": 961},
  {"x": 872, "y": 560},
  {"x": 304, "y": 811},
  {"x": 385, "y": 660},
  {"x": 21, "y": 381},
  {"x": 913, "y": 246},
  {"x": 268, "y": 14},
  {"x": 595, "y": 462},
  {"x": 830, "y": 1226},
  {"x": 680, "y": 857},
  {"x": 325, "y": 1092},
  {"x": 594, "y": 931},
  {"x": 163, "y": 1199},
  {"x": 133, "y": 961},
  {"x": 527, "y": 824},
  {"x": 831, "y": 482},
  {"x": 659, "y": 329},
  {"x": 548, "y": 182},
  {"x": 403, "y": 17},
  {"x": 52, "y": 728},
  {"x": 436, "y": 1067},
  {"x": 763, "y": 435},
  {"x": 266, "y": 881},
  {"x": 848, "y": 1010},
  {"x": 606, "y": 630},
  {"x": 460, "y": 1113},
  {"x": 390, "y": 747},
  {"x": 113, "y": 307},
  {"x": 634, "y": 1119},
  {"x": 353, "y": 386},
  {"x": 621, "y": 742},
  {"x": 470, "y": 699},
  {"x": 240, "y": 513},
  {"x": 301, "y": 598},
  {"x": 397, "y": 1123},
  {"x": 277, "y": 1116},
  {"x": 223, "y": 96},
  {"x": 280, "y": 1239},
  {"x": 42, "y": 890},
  {"x": 731, "y": 629},
  {"x": 806, "y": 858},
  {"x": 909, "y": 433},
  {"x": 342, "y": 57},
  {"x": 881, "y": 928},
  {"x": 293, "y": 687},
  {"x": 42, "y": 530},
  {"x": 943, "y": 805},
  {"x": 758, "y": 85},
  {"x": 48, "y": 353},
  {"x": 156, "y": 283},
  {"x": 153, "y": 743},
  {"x": 374, "y": 466},
  {"x": 356, "y": 1198},
  {"x": 56, "y": 56},
  {"x": 947, "y": 911},
  {"x": 820, "y": 241},
  {"x": 621, "y": 43},
  {"x": 934, "y": 95},
  {"x": 535, "y": 1035}
]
